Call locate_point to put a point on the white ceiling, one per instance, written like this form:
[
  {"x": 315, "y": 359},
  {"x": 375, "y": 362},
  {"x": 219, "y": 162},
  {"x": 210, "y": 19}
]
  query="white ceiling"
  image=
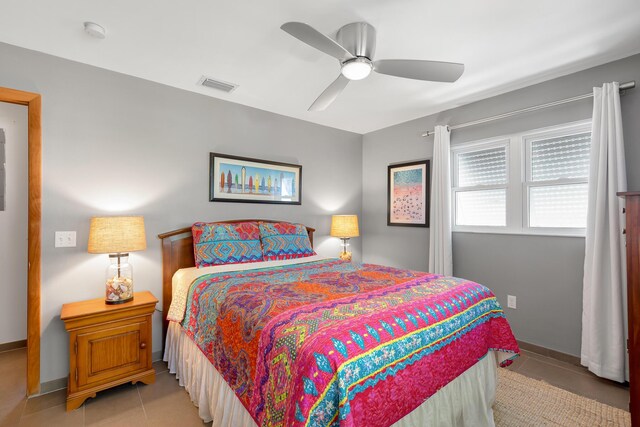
[{"x": 505, "y": 44}]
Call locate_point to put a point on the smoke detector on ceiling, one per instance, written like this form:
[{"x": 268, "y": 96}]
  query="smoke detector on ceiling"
[
  {"x": 95, "y": 30},
  {"x": 217, "y": 84}
]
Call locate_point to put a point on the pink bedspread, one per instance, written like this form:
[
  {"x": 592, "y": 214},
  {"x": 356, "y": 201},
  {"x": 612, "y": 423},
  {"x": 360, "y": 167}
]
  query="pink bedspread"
[{"x": 330, "y": 343}]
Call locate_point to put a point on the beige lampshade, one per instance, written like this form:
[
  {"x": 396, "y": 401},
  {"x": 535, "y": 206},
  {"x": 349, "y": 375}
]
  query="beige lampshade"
[
  {"x": 116, "y": 234},
  {"x": 344, "y": 226}
]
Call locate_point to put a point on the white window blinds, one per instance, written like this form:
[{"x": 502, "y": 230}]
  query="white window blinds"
[
  {"x": 481, "y": 208},
  {"x": 482, "y": 167},
  {"x": 481, "y": 187},
  {"x": 562, "y": 206},
  {"x": 562, "y": 157},
  {"x": 559, "y": 170}
]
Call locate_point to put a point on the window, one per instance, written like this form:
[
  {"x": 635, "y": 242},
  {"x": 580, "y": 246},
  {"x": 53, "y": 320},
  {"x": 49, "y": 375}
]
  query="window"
[
  {"x": 534, "y": 182},
  {"x": 558, "y": 170},
  {"x": 481, "y": 187}
]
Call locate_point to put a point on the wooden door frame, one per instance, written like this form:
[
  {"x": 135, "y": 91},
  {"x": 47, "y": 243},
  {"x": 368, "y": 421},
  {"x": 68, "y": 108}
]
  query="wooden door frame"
[{"x": 33, "y": 102}]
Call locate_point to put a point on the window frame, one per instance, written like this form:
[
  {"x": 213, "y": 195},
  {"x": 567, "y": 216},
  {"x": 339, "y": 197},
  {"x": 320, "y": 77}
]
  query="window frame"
[
  {"x": 518, "y": 151},
  {"x": 469, "y": 148},
  {"x": 527, "y": 183}
]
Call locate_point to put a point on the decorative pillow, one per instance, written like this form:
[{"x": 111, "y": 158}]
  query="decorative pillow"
[
  {"x": 217, "y": 243},
  {"x": 283, "y": 240}
]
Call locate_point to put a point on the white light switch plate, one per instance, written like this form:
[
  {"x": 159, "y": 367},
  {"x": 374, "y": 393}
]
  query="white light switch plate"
[
  {"x": 511, "y": 301},
  {"x": 65, "y": 239}
]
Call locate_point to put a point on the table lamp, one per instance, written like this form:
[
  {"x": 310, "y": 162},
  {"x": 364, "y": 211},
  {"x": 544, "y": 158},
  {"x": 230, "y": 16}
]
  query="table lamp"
[
  {"x": 117, "y": 236},
  {"x": 344, "y": 227}
]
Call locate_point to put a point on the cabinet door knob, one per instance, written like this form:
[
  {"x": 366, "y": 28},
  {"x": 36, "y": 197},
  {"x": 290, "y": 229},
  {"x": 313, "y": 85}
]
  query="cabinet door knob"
[{"x": 143, "y": 345}]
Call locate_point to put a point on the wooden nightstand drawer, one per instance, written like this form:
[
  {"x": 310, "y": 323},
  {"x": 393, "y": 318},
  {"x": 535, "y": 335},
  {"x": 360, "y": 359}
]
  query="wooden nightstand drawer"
[
  {"x": 108, "y": 345},
  {"x": 112, "y": 351}
]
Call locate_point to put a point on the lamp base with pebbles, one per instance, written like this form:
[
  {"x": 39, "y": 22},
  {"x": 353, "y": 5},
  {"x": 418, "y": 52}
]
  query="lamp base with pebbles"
[
  {"x": 117, "y": 236},
  {"x": 119, "y": 279}
]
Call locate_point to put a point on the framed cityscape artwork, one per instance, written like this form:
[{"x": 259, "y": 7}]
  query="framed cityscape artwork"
[
  {"x": 408, "y": 187},
  {"x": 245, "y": 180}
]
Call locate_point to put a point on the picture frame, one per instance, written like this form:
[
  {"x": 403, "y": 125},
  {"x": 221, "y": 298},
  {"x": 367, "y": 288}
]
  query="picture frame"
[
  {"x": 408, "y": 194},
  {"x": 248, "y": 180}
]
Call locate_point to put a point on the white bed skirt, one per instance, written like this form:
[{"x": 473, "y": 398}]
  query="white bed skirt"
[{"x": 465, "y": 401}]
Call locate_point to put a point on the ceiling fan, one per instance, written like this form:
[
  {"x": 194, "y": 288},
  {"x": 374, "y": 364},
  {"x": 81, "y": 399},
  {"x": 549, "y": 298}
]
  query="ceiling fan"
[{"x": 354, "y": 48}]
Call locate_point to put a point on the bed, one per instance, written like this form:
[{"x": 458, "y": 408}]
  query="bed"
[{"x": 319, "y": 341}]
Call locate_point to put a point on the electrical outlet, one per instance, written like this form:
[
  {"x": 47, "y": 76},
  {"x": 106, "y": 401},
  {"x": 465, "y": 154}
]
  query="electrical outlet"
[
  {"x": 65, "y": 239},
  {"x": 511, "y": 301}
]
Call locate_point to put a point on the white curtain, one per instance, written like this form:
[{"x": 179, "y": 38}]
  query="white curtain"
[
  {"x": 440, "y": 255},
  {"x": 604, "y": 286}
]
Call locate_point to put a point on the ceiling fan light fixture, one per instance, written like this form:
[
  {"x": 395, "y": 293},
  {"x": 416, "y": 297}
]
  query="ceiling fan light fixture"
[{"x": 357, "y": 68}]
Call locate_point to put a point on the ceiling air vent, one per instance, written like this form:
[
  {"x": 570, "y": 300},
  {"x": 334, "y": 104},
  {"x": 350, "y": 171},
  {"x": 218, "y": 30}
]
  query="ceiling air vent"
[{"x": 217, "y": 84}]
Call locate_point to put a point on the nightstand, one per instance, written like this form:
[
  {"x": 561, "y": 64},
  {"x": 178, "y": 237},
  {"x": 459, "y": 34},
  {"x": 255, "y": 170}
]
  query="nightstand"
[{"x": 109, "y": 345}]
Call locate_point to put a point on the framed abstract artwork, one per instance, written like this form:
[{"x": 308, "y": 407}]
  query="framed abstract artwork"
[
  {"x": 245, "y": 180},
  {"x": 408, "y": 186}
]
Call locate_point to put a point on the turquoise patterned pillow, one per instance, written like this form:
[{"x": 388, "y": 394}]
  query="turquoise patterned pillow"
[
  {"x": 283, "y": 240},
  {"x": 218, "y": 243}
]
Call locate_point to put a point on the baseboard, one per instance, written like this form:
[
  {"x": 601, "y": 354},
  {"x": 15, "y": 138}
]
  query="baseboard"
[
  {"x": 51, "y": 386},
  {"x": 554, "y": 354},
  {"x": 156, "y": 356},
  {"x": 13, "y": 345}
]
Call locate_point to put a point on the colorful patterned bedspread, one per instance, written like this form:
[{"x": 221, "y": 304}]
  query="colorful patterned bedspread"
[{"x": 330, "y": 343}]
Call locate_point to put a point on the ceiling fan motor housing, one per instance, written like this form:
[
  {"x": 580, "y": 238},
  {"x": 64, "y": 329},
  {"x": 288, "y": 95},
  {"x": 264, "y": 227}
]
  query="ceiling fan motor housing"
[{"x": 359, "y": 38}]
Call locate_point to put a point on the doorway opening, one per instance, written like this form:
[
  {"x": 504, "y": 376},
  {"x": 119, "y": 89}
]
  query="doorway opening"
[
  {"x": 33, "y": 102},
  {"x": 13, "y": 225}
]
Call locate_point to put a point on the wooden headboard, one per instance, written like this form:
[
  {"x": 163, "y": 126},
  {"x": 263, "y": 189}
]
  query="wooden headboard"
[{"x": 177, "y": 253}]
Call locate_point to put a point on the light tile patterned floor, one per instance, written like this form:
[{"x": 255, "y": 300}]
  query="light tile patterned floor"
[{"x": 165, "y": 403}]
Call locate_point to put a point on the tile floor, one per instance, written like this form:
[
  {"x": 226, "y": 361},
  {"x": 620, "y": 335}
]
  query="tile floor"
[{"x": 167, "y": 404}]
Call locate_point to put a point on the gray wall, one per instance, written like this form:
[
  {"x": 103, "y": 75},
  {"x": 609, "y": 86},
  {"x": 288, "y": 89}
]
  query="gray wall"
[
  {"x": 114, "y": 144},
  {"x": 13, "y": 225},
  {"x": 545, "y": 273}
]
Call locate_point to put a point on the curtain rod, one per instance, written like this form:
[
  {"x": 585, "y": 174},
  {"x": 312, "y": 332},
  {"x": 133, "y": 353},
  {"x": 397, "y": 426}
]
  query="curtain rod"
[{"x": 623, "y": 86}]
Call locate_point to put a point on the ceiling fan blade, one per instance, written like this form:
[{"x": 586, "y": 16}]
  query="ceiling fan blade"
[
  {"x": 330, "y": 94},
  {"x": 314, "y": 38},
  {"x": 434, "y": 71}
]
